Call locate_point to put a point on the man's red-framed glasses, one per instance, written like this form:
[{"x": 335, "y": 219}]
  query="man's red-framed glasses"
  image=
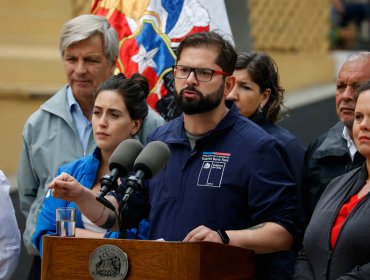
[{"x": 201, "y": 74}]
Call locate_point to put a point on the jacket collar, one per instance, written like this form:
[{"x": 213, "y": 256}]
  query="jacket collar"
[
  {"x": 363, "y": 172},
  {"x": 178, "y": 134},
  {"x": 58, "y": 105},
  {"x": 261, "y": 120},
  {"x": 360, "y": 176},
  {"x": 91, "y": 169},
  {"x": 334, "y": 144}
]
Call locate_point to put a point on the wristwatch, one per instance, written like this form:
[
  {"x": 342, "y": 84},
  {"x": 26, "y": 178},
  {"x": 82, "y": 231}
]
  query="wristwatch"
[{"x": 224, "y": 237}]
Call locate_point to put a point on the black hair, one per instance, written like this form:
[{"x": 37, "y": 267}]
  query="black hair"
[
  {"x": 226, "y": 52},
  {"x": 264, "y": 72},
  {"x": 133, "y": 91}
]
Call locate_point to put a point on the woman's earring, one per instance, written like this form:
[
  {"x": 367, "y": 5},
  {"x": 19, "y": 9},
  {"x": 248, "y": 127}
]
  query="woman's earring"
[{"x": 260, "y": 109}]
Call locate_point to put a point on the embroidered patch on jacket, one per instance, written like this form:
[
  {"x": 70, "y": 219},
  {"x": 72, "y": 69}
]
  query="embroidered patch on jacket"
[{"x": 212, "y": 171}]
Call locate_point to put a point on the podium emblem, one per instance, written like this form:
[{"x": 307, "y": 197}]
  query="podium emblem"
[{"x": 108, "y": 262}]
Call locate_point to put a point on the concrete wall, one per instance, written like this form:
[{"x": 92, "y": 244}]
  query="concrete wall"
[
  {"x": 31, "y": 69},
  {"x": 14, "y": 112},
  {"x": 295, "y": 33}
]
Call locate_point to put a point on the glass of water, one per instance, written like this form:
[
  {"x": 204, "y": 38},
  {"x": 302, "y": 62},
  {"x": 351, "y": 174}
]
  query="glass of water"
[{"x": 66, "y": 221}]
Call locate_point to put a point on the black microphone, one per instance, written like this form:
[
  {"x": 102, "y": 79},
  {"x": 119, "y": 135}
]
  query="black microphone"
[
  {"x": 121, "y": 163},
  {"x": 149, "y": 162}
]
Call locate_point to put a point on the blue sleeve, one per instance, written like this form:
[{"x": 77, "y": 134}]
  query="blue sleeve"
[
  {"x": 46, "y": 221},
  {"x": 272, "y": 195},
  {"x": 132, "y": 232},
  {"x": 112, "y": 234},
  {"x": 296, "y": 153}
]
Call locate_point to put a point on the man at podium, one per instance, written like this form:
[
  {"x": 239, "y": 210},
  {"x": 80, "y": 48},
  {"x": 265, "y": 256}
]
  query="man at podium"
[{"x": 226, "y": 180}]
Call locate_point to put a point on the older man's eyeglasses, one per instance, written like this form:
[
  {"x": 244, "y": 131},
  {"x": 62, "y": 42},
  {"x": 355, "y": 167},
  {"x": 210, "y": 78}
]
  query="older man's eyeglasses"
[{"x": 201, "y": 74}]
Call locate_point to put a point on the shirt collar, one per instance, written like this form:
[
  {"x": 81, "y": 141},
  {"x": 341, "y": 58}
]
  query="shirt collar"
[
  {"x": 72, "y": 102},
  {"x": 351, "y": 146}
]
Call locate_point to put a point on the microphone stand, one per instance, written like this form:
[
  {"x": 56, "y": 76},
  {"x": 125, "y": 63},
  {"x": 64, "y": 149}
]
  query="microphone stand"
[
  {"x": 109, "y": 184},
  {"x": 133, "y": 184}
]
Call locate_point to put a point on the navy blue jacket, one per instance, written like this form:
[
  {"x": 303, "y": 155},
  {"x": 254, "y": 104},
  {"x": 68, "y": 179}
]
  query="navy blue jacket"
[
  {"x": 224, "y": 183},
  {"x": 280, "y": 265},
  {"x": 294, "y": 147}
]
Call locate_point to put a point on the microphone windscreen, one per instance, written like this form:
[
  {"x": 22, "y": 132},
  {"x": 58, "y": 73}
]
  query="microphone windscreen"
[
  {"x": 152, "y": 159},
  {"x": 124, "y": 156}
]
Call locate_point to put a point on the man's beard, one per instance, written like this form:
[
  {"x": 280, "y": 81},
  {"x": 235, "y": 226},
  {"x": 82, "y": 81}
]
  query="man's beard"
[{"x": 201, "y": 105}]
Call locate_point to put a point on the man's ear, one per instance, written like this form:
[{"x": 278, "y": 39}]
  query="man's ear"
[{"x": 230, "y": 82}]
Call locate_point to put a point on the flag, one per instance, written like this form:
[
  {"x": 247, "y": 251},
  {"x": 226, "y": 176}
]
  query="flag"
[{"x": 149, "y": 32}]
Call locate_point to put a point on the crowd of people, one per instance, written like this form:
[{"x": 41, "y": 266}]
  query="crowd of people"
[{"x": 234, "y": 176}]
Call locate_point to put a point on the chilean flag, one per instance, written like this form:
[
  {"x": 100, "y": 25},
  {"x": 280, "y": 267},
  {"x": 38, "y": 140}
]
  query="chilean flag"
[
  {"x": 148, "y": 53},
  {"x": 149, "y": 31}
]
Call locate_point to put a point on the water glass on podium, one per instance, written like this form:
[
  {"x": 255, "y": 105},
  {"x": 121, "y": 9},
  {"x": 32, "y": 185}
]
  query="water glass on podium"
[{"x": 66, "y": 221}]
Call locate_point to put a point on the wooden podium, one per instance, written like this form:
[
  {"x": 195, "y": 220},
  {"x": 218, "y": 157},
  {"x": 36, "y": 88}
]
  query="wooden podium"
[{"x": 69, "y": 258}]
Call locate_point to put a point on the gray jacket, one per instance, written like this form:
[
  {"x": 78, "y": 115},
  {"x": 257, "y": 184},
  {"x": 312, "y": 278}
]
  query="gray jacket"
[
  {"x": 350, "y": 258},
  {"x": 50, "y": 139}
]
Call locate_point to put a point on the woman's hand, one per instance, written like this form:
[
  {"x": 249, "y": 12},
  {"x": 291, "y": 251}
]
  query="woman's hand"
[{"x": 66, "y": 187}]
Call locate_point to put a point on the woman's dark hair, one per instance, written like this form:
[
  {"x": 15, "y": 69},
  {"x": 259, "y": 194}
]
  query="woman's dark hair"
[
  {"x": 364, "y": 87},
  {"x": 264, "y": 72},
  {"x": 133, "y": 91},
  {"x": 226, "y": 52}
]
